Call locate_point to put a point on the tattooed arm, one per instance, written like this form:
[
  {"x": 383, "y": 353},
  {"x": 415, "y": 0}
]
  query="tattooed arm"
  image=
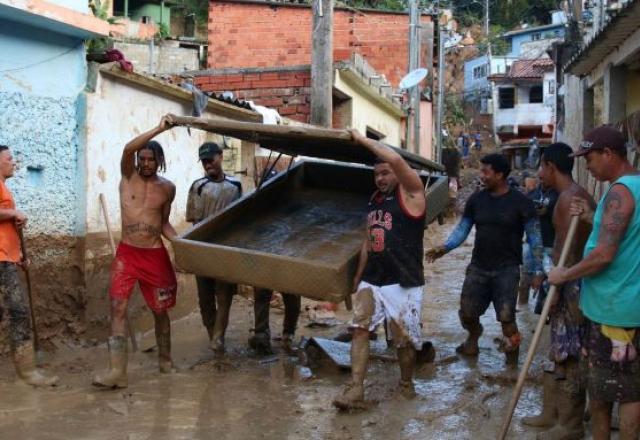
[{"x": 619, "y": 207}]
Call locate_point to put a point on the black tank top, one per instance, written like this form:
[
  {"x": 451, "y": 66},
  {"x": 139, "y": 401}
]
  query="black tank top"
[{"x": 395, "y": 243}]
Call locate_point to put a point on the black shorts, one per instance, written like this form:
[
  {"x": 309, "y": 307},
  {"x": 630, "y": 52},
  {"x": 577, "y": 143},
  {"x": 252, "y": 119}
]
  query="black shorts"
[
  {"x": 483, "y": 287},
  {"x": 609, "y": 381}
]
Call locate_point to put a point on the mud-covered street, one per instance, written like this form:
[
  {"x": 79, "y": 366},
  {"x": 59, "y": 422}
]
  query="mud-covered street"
[{"x": 245, "y": 398}]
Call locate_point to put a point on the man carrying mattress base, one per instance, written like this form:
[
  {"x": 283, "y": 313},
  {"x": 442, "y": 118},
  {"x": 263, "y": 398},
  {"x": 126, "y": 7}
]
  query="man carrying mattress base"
[{"x": 390, "y": 275}]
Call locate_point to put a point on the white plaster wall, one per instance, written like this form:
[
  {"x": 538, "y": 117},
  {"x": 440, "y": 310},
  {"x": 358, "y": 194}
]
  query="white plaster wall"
[
  {"x": 524, "y": 112},
  {"x": 366, "y": 113},
  {"x": 572, "y": 131},
  {"x": 117, "y": 112}
]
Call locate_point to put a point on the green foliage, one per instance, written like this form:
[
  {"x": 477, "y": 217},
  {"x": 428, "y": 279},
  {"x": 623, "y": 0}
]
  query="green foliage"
[
  {"x": 199, "y": 8},
  {"x": 454, "y": 111},
  {"x": 507, "y": 13},
  {"x": 392, "y": 5},
  {"x": 100, "y": 10},
  {"x": 499, "y": 45},
  {"x": 163, "y": 31}
]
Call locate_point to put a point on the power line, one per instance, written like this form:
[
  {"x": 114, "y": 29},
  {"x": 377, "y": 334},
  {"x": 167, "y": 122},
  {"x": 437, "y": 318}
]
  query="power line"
[{"x": 37, "y": 63}]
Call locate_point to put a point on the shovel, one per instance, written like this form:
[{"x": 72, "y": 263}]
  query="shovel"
[{"x": 25, "y": 267}]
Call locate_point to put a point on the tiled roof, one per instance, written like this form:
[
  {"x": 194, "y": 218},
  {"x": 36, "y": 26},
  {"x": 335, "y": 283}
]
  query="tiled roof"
[{"x": 530, "y": 69}]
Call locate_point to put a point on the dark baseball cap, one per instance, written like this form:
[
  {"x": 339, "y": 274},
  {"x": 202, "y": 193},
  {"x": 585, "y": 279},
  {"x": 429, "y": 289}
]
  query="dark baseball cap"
[
  {"x": 208, "y": 150},
  {"x": 600, "y": 138}
]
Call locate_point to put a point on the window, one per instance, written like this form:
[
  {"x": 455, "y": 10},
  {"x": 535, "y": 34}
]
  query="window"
[
  {"x": 537, "y": 36},
  {"x": 480, "y": 71},
  {"x": 535, "y": 94},
  {"x": 552, "y": 87},
  {"x": 506, "y": 97}
]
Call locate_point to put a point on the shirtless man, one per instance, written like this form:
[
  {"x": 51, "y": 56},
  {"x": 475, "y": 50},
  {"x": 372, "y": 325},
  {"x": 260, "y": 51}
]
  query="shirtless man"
[
  {"x": 145, "y": 204},
  {"x": 563, "y": 397},
  {"x": 390, "y": 275}
]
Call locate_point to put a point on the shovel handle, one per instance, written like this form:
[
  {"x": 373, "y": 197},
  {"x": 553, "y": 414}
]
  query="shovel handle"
[
  {"x": 536, "y": 336},
  {"x": 25, "y": 258}
]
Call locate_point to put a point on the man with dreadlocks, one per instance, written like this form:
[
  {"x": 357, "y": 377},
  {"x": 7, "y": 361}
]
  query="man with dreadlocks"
[{"x": 145, "y": 204}]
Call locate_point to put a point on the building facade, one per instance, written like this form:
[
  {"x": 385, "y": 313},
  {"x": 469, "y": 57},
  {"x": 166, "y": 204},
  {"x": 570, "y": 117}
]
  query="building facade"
[{"x": 524, "y": 101}]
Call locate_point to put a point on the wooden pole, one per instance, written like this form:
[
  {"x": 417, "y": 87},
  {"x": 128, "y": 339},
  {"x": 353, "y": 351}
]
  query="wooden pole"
[
  {"x": 536, "y": 336},
  {"x": 322, "y": 63},
  {"x": 25, "y": 258},
  {"x": 112, "y": 244}
]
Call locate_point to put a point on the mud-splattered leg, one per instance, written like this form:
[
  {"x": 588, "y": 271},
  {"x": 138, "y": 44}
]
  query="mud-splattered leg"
[{"x": 163, "y": 339}]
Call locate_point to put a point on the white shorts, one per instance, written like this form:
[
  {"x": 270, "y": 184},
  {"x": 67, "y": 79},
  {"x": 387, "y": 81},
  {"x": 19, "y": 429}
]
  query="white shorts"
[{"x": 402, "y": 306}]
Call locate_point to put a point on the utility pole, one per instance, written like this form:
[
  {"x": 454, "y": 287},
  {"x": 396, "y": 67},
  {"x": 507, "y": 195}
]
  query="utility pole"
[
  {"x": 487, "y": 31},
  {"x": 414, "y": 63},
  {"x": 441, "y": 81},
  {"x": 322, "y": 63}
]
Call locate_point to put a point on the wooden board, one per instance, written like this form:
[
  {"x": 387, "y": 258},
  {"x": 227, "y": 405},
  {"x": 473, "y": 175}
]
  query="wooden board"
[{"x": 308, "y": 141}]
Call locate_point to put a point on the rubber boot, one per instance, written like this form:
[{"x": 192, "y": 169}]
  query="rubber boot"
[
  {"x": 287, "y": 342},
  {"x": 510, "y": 343},
  {"x": 224, "y": 297},
  {"x": 210, "y": 333},
  {"x": 549, "y": 414},
  {"x": 570, "y": 398},
  {"x": 261, "y": 343},
  {"x": 116, "y": 377},
  {"x": 470, "y": 346},
  {"x": 352, "y": 396},
  {"x": 407, "y": 361},
  {"x": 24, "y": 358},
  {"x": 163, "y": 340}
]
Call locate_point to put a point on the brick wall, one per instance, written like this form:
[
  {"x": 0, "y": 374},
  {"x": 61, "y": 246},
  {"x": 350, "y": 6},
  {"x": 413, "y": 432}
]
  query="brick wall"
[
  {"x": 288, "y": 91},
  {"x": 250, "y": 34}
]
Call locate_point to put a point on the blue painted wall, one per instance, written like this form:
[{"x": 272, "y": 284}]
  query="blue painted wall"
[
  {"x": 42, "y": 77},
  {"x": 525, "y": 37},
  {"x": 471, "y": 83}
]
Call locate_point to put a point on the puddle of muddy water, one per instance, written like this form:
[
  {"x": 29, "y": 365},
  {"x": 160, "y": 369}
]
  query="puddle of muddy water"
[{"x": 457, "y": 399}]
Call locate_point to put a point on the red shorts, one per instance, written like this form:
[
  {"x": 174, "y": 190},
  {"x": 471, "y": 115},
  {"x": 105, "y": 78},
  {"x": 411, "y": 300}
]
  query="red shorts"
[{"x": 151, "y": 268}]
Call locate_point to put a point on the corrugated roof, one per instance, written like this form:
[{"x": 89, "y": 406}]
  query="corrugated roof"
[{"x": 608, "y": 39}]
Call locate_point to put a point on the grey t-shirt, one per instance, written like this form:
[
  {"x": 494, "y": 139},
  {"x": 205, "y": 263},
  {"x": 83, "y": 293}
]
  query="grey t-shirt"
[{"x": 207, "y": 197}]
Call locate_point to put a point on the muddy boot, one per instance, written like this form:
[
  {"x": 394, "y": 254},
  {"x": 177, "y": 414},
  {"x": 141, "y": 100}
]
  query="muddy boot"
[
  {"x": 470, "y": 346},
  {"x": 261, "y": 343},
  {"x": 407, "y": 361},
  {"x": 116, "y": 377},
  {"x": 549, "y": 413},
  {"x": 24, "y": 358},
  {"x": 217, "y": 345},
  {"x": 163, "y": 340},
  {"x": 210, "y": 333},
  {"x": 510, "y": 343},
  {"x": 287, "y": 342},
  {"x": 352, "y": 396},
  {"x": 511, "y": 357},
  {"x": 570, "y": 424}
]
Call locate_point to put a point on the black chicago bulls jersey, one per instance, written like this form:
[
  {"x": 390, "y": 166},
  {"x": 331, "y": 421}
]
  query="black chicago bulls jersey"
[{"x": 395, "y": 243}]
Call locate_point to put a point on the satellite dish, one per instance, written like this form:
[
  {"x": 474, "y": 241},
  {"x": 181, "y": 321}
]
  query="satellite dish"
[{"x": 412, "y": 78}]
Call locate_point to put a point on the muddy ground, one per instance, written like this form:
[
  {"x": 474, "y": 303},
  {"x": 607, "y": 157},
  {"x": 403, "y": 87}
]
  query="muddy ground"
[{"x": 246, "y": 398}]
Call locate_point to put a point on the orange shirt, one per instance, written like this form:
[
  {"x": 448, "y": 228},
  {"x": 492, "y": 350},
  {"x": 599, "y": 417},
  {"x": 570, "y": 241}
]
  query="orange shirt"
[{"x": 9, "y": 240}]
